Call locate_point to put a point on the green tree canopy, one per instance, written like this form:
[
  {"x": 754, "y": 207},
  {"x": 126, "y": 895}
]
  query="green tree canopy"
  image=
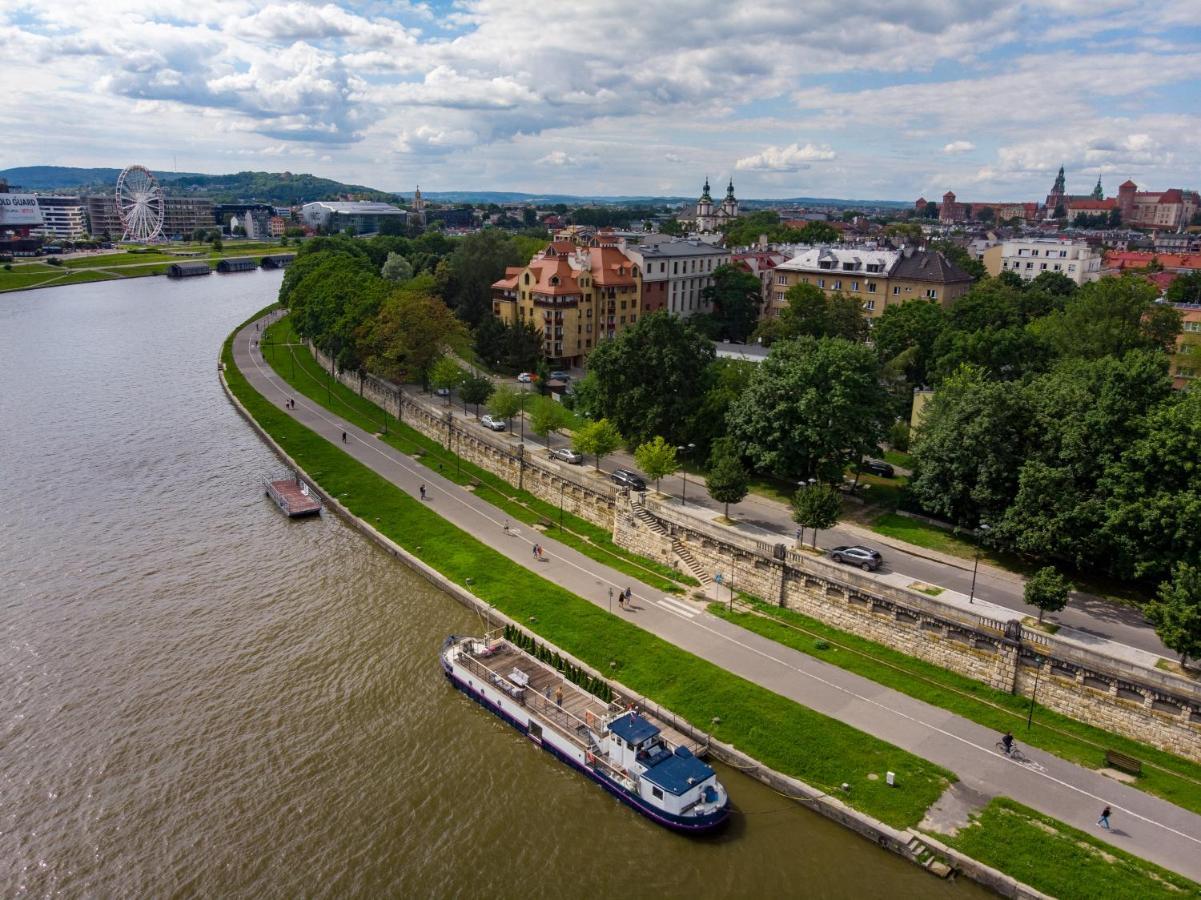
[
  {"x": 649, "y": 377},
  {"x": 1185, "y": 288},
  {"x": 905, "y": 334},
  {"x": 448, "y": 374},
  {"x": 477, "y": 261},
  {"x": 396, "y": 268},
  {"x": 1108, "y": 318},
  {"x": 810, "y": 312},
  {"x": 818, "y": 233},
  {"x": 505, "y": 403},
  {"x": 736, "y": 296},
  {"x": 811, "y": 408},
  {"x": 727, "y": 479},
  {"x": 546, "y": 417},
  {"x": 475, "y": 389},
  {"x": 599, "y": 438},
  {"x": 1176, "y": 612},
  {"x": 411, "y": 330},
  {"x": 656, "y": 458},
  {"x": 816, "y": 506},
  {"x": 1047, "y": 590}
]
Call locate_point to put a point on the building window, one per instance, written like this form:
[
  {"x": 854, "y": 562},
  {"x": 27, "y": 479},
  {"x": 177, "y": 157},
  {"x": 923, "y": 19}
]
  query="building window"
[
  {"x": 656, "y": 793},
  {"x": 854, "y": 285},
  {"x": 780, "y": 296},
  {"x": 871, "y": 287},
  {"x": 1058, "y": 267},
  {"x": 837, "y": 284},
  {"x": 781, "y": 279},
  {"x": 896, "y": 291},
  {"x": 932, "y": 293},
  {"x": 869, "y": 305}
]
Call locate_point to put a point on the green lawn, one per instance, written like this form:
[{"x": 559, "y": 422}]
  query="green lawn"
[
  {"x": 1060, "y": 860},
  {"x": 781, "y": 734},
  {"x": 1171, "y": 777},
  {"x": 296, "y": 366}
]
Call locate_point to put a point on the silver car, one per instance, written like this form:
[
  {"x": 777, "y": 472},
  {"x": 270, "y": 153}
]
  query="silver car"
[
  {"x": 567, "y": 455},
  {"x": 493, "y": 423},
  {"x": 864, "y": 557}
]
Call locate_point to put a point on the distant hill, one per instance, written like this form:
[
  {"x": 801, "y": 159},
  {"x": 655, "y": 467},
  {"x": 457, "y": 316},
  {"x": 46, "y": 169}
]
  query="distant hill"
[
  {"x": 503, "y": 197},
  {"x": 281, "y": 188}
]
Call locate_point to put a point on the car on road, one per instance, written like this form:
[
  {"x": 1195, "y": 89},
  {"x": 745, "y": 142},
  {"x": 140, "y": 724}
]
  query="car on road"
[
  {"x": 857, "y": 555},
  {"x": 627, "y": 479},
  {"x": 560, "y": 375},
  {"x": 567, "y": 455},
  {"x": 493, "y": 423},
  {"x": 527, "y": 377},
  {"x": 877, "y": 467},
  {"x": 442, "y": 392}
]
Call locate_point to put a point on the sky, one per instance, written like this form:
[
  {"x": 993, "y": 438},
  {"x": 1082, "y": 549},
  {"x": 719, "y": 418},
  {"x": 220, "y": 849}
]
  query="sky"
[{"x": 865, "y": 99}]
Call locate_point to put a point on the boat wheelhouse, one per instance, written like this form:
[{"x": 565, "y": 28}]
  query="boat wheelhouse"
[{"x": 639, "y": 761}]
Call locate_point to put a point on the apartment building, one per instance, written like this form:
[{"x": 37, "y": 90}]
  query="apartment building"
[
  {"x": 879, "y": 278},
  {"x": 1186, "y": 361},
  {"x": 181, "y": 216},
  {"x": 675, "y": 273},
  {"x": 575, "y": 296},
  {"x": 63, "y": 218},
  {"x": 1030, "y": 257}
]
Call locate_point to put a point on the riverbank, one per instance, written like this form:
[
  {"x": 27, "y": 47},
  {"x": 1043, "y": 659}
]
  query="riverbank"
[{"x": 580, "y": 629}]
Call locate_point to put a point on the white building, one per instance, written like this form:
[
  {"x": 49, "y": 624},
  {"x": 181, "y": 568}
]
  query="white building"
[
  {"x": 363, "y": 216},
  {"x": 1030, "y": 257},
  {"x": 676, "y": 272},
  {"x": 63, "y": 217},
  {"x": 707, "y": 216}
]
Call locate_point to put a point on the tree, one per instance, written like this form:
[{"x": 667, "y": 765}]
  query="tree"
[
  {"x": 505, "y": 403},
  {"x": 478, "y": 260},
  {"x": 904, "y": 336},
  {"x": 546, "y": 417},
  {"x": 411, "y": 330},
  {"x": 1176, "y": 612},
  {"x": 475, "y": 389},
  {"x": 600, "y": 438},
  {"x": 816, "y": 506},
  {"x": 1109, "y": 317},
  {"x": 656, "y": 458},
  {"x": 447, "y": 374},
  {"x": 672, "y": 228},
  {"x": 727, "y": 479},
  {"x": 811, "y": 312},
  {"x": 904, "y": 233},
  {"x": 736, "y": 296},
  {"x": 1048, "y": 590},
  {"x": 396, "y": 268},
  {"x": 1185, "y": 289},
  {"x": 811, "y": 408},
  {"x": 818, "y": 233},
  {"x": 1054, "y": 283},
  {"x": 649, "y": 377}
]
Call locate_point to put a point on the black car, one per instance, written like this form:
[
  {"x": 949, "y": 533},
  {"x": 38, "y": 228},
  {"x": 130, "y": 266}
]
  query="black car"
[
  {"x": 864, "y": 557},
  {"x": 627, "y": 479},
  {"x": 877, "y": 467}
]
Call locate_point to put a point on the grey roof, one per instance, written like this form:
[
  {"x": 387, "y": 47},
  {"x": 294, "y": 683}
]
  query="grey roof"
[
  {"x": 360, "y": 207},
  {"x": 928, "y": 265},
  {"x": 679, "y": 248}
]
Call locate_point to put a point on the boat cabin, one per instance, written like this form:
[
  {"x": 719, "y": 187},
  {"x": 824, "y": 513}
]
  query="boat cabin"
[{"x": 675, "y": 781}]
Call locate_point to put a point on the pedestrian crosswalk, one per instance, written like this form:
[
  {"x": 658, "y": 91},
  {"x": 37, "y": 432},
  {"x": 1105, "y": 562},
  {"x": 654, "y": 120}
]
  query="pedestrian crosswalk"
[{"x": 679, "y": 607}]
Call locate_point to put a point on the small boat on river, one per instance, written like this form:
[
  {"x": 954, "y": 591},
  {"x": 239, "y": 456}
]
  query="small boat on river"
[{"x": 618, "y": 747}]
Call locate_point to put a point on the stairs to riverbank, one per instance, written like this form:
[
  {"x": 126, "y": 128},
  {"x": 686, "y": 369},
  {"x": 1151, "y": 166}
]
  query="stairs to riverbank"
[
  {"x": 649, "y": 521},
  {"x": 697, "y": 570}
]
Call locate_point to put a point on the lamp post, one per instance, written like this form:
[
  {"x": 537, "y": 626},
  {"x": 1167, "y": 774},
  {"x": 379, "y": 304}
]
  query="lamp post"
[
  {"x": 610, "y": 601},
  {"x": 982, "y": 529},
  {"x": 685, "y": 451},
  {"x": 562, "y": 485},
  {"x": 1034, "y": 694}
]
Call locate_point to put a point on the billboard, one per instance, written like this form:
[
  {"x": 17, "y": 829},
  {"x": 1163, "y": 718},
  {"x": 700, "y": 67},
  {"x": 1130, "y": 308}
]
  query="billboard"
[{"x": 19, "y": 211}]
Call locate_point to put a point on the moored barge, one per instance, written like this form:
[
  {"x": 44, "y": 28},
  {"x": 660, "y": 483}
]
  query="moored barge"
[
  {"x": 291, "y": 494},
  {"x": 617, "y": 747}
]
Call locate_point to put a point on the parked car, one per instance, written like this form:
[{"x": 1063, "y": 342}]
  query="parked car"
[
  {"x": 560, "y": 375},
  {"x": 442, "y": 392},
  {"x": 864, "y": 557},
  {"x": 877, "y": 467},
  {"x": 493, "y": 423},
  {"x": 567, "y": 455},
  {"x": 527, "y": 377},
  {"x": 627, "y": 479}
]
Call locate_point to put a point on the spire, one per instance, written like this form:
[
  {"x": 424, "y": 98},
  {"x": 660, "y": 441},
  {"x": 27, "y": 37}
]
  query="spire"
[
  {"x": 1098, "y": 194},
  {"x": 1059, "y": 183},
  {"x": 730, "y": 190}
]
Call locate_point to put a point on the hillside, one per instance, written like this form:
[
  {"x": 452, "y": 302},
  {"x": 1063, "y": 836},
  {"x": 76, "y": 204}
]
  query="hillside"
[{"x": 282, "y": 188}]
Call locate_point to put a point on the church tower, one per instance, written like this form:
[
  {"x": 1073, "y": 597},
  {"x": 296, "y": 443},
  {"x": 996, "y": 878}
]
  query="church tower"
[
  {"x": 1058, "y": 192},
  {"x": 1097, "y": 193},
  {"x": 418, "y": 212},
  {"x": 729, "y": 206}
]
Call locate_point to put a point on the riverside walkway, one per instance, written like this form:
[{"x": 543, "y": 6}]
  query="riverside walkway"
[{"x": 1144, "y": 825}]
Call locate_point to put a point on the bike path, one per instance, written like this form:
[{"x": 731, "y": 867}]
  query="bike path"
[{"x": 1142, "y": 824}]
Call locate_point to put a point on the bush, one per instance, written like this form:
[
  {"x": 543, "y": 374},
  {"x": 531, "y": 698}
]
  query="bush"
[
  {"x": 8, "y": 267},
  {"x": 898, "y": 435},
  {"x": 821, "y": 645}
]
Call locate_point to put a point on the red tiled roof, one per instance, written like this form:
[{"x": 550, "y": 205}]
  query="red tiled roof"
[
  {"x": 1174, "y": 263},
  {"x": 1127, "y": 184},
  {"x": 608, "y": 264},
  {"x": 1104, "y": 205}
]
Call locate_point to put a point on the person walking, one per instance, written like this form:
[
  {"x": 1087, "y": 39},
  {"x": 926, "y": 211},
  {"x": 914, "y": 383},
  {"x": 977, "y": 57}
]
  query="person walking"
[
  {"x": 559, "y": 696},
  {"x": 535, "y": 551},
  {"x": 629, "y": 599},
  {"x": 1104, "y": 820},
  {"x": 343, "y": 437},
  {"x": 422, "y": 490}
]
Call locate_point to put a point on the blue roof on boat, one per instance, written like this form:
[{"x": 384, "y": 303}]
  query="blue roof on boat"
[
  {"x": 677, "y": 772},
  {"x": 633, "y": 728}
]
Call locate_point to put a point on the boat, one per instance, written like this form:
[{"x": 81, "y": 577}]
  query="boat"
[
  {"x": 617, "y": 746},
  {"x": 291, "y": 494}
]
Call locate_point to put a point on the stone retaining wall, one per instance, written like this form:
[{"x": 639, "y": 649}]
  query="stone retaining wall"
[{"x": 1145, "y": 704}]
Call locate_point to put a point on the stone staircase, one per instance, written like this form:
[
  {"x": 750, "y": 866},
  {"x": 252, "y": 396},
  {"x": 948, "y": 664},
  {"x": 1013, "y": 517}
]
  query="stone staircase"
[
  {"x": 921, "y": 853},
  {"x": 697, "y": 570},
  {"x": 649, "y": 521}
]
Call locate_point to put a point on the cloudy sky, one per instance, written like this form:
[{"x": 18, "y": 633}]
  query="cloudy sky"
[{"x": 847, "y": 98}]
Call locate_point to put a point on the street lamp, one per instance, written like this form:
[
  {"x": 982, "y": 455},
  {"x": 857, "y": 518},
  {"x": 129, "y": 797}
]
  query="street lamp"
[
  {"x": 685, "y": 451},
  {"x": 1037, "y": 672},
  {"x": 562, "y": 485},
  {"x": 981, "y": 529}
]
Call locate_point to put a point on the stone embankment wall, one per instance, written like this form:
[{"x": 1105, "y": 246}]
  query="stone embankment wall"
[{"x": 1142, "y": 703}]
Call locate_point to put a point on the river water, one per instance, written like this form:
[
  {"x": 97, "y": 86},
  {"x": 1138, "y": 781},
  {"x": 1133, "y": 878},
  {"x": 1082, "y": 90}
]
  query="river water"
[{"x": 203, "y": 698}]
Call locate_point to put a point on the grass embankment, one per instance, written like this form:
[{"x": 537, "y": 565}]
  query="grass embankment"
[
  {"x": 295, "y": 364},
  {"x": 1164, "y": 775},
  {"x": 1060, "y": 860},
  {"x": 781, "y": 734}
]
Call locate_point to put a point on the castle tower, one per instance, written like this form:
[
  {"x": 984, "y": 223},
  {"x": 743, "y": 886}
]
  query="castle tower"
[
  {"x": 1058, "y": 192},
  {"x": 1097, "y": 193}
]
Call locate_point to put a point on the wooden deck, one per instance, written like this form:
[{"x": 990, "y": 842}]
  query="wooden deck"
[
  {"x": 291, "y": 497},
  {"x": 544, "y": 682}
]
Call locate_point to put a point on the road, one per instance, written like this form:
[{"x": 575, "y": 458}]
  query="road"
[
  {"x": 1090, "y": 619},
  {"x": 1144, "y": 825}
]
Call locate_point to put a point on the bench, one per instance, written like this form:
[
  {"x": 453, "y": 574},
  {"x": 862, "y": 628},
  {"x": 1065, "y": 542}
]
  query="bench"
[{"x": 1123, "y": 762}]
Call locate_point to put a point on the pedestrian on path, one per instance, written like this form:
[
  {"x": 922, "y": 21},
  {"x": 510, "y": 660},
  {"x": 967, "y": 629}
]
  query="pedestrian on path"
[
  {"x": 505, "y": 527},
  {"x": 1104, "y": 820},
  {"x": 535, "y": 551},
  {"x": 559, "y": 696},
  {"x": 422, "y": 490},
  {"x": 629, "y": 599},
  {"x": 621, "y": 598},
  {"x": 343, "y": 437}
]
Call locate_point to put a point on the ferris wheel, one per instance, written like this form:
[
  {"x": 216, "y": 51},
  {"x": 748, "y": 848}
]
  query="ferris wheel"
[{"x": 140, "y": 204}]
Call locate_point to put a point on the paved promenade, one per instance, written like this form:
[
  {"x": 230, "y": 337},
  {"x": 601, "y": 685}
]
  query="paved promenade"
[{"x": 1142, "y": 824}]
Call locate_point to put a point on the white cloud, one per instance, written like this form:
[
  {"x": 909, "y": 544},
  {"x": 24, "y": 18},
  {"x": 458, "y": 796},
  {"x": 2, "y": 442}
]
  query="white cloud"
[
  {"x": 792, "y": 158},
  {"x": 959, "y": 147},
  {"x": 673, "y": 158}
]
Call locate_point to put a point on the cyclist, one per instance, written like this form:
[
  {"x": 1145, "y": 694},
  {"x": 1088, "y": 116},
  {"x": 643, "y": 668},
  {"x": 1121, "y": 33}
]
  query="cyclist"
[{"x": 1007, "y": 743}]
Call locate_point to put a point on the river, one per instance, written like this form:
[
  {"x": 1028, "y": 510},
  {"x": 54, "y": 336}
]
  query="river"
[{"x": 204, "y": 698}]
